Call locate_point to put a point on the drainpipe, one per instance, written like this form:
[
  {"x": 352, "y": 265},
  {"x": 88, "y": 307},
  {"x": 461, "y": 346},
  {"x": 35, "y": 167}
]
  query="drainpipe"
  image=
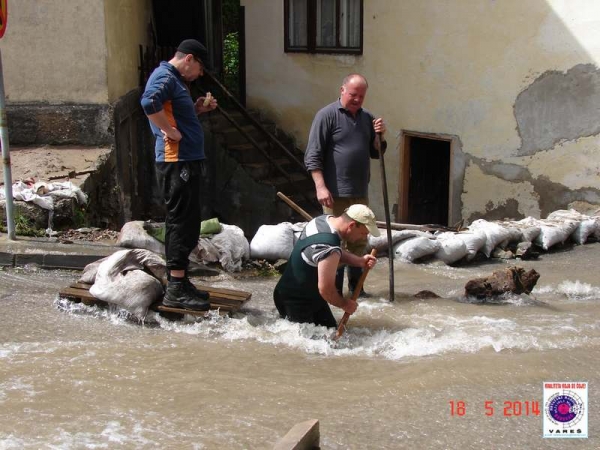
[{"x": 10, "y": 220}]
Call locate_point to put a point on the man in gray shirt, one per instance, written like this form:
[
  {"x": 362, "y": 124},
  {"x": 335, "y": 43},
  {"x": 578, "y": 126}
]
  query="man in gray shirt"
[{"x": 341, "y": 143}]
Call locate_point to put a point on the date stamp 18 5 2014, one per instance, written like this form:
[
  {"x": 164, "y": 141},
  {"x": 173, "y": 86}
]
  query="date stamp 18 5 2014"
[{"x": 563, "y": 409}]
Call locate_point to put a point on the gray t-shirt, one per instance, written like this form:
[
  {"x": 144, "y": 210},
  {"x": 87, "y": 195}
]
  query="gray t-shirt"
[
  {"x": 315, "y": 253},
  {"x": 341, "y": 145}
]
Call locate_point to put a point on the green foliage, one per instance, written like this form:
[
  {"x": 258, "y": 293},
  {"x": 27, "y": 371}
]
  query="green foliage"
[
  {"x": 24, "y": 227},
  {"x": 231, "y": 62},
  {"x": 230, "y": 10},
  {"x": 79, "y": 218}
]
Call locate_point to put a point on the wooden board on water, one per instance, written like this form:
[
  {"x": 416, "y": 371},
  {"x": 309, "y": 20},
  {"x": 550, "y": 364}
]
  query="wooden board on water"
[{"x": 226, "y": 301}]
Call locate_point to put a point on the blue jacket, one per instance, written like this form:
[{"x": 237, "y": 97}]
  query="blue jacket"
[{"x": 166, "y": 90}]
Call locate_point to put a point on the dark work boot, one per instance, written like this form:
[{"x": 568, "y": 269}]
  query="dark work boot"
[
  {"x": 203, "y": 295},
  {"x": 177, "y": 295},
  {"x": 354, "y": 274},
  {"x": 339, "y": 280}
]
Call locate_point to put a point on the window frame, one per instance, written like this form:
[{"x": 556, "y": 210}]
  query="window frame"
[{"x": 311, "y": 31}]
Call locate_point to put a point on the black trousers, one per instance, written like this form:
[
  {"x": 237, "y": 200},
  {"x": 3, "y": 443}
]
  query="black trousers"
[
  {"x": 319, "y": 313},
  {"x": 179, "y": 183}
]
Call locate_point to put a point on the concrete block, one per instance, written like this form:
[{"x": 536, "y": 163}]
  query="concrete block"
[
  {"x": 302, "y": 436},
  {"x": 7, "y": 259},
  {"x": 68, "y": 262}
]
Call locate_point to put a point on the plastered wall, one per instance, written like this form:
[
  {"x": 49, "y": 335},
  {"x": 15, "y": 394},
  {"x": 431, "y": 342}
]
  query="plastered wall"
[
  {"x": 515, "y": 83},
  {"x": 55, "y": 51},
  {"x": 126, "y": 28},
  {"x": 65, "y": 51}
]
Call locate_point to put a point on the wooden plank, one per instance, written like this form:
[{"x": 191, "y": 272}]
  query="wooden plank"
[
  {"x": 230, "y": 293},
  {"x": 225, "y": 300},
  {"x": 224, "y": 296},
  {"x": 76, "y": 293}
]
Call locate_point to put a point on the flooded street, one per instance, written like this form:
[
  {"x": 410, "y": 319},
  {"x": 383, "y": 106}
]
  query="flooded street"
[{"x": 79, "y": 377}]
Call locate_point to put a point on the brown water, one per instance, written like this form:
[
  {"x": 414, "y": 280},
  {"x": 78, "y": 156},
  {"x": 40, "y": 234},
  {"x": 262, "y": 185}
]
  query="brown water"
[{"x": 87, "y": 378}]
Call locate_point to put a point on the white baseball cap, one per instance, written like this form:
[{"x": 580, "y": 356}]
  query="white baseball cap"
[{"x": 362, "y": 214}]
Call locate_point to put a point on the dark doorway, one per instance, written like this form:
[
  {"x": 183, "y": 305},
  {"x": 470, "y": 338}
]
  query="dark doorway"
[
  {"x": 190, "y": 19},
  {"x": 425, "y": 180}
]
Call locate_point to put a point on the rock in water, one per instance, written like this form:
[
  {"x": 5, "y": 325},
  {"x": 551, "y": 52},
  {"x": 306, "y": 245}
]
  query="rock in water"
[{"x": 513, "y": 279}]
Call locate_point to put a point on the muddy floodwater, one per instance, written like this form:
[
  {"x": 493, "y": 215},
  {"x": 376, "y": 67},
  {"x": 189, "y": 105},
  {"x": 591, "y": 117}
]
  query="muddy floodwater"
[{"x": 412, "y": 374}]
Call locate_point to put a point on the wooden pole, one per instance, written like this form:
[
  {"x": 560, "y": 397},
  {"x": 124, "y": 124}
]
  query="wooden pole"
[
  {"x": 342, "y": 326},
  {"x": 388, "y": 226},
  {"x": 294, "y": 206}
]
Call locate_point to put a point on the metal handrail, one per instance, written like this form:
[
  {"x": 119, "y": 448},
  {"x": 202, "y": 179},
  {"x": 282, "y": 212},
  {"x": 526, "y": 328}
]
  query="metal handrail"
[
  {"x": 258, "y": 125},
  {"x": 256, "y": 145}
]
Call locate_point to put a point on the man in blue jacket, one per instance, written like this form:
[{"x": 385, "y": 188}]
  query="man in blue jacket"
[{"x": 179, "y": 155}]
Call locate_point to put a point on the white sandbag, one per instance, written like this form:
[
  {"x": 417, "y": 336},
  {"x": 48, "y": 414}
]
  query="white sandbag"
[
  {"x": 474, "y": 241},
  {"x": 555, "y": 232},
  {"x": 229, "y": 247},
  {"x": 514, "y": 233},
  {"x": 494, "y": 234},
  {"x": 89, "y": 272},
  {"x": 133, "y": 235},
  {"x": 587, "y": 225},
  {"x": 272, "y": 242},
  {"x": 452, "y": 248},
  {"x": 130, "y": 280},
  {"x": 529, "y": 229},
  {"x": 415, "y": 248},
  {"x": 380, "y": 243}
]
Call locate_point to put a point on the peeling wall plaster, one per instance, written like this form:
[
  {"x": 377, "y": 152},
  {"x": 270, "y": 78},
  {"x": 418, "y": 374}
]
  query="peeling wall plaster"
[
  {"x": 494, "y": 198},
  {"x": 558, "y": 107}
]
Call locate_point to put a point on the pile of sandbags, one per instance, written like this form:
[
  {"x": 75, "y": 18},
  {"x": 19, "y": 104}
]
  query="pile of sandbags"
[
  {"x": 130, "y": 279},
  {"x": 492, "y": 238},
  {"x": 218, "y": 243}
]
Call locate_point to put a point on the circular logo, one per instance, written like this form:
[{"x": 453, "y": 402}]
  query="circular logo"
[{"x": 564, "y": 408}]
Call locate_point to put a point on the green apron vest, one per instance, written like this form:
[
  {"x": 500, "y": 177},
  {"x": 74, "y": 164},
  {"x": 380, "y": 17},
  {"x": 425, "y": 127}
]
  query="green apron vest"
[{"x": 299, "y": 283}]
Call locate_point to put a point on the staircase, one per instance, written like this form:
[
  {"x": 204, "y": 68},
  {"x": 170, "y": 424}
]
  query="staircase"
[{"x": 268, "y": 157}]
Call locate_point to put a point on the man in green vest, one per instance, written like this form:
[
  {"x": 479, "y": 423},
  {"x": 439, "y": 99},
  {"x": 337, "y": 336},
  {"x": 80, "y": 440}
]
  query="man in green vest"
[{"x": 307, "y": 286}]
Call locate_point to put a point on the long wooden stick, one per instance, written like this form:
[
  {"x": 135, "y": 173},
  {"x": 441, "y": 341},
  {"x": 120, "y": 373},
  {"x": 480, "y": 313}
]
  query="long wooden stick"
[
  {"x": 294, "y": 206},
  {"x": 386, "y": 207},
  {"x": 393, "y": 225},
  {"x": 342, "y": 326}
]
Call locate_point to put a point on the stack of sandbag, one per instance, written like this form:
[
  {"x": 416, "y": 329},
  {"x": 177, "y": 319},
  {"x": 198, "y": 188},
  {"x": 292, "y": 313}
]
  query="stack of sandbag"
[
  {"x": 129, "y": 279},
  {"x": 494, "y": 238},
  {"x": 588, "y": 225},
  {"x": 380, "y": 243}
]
